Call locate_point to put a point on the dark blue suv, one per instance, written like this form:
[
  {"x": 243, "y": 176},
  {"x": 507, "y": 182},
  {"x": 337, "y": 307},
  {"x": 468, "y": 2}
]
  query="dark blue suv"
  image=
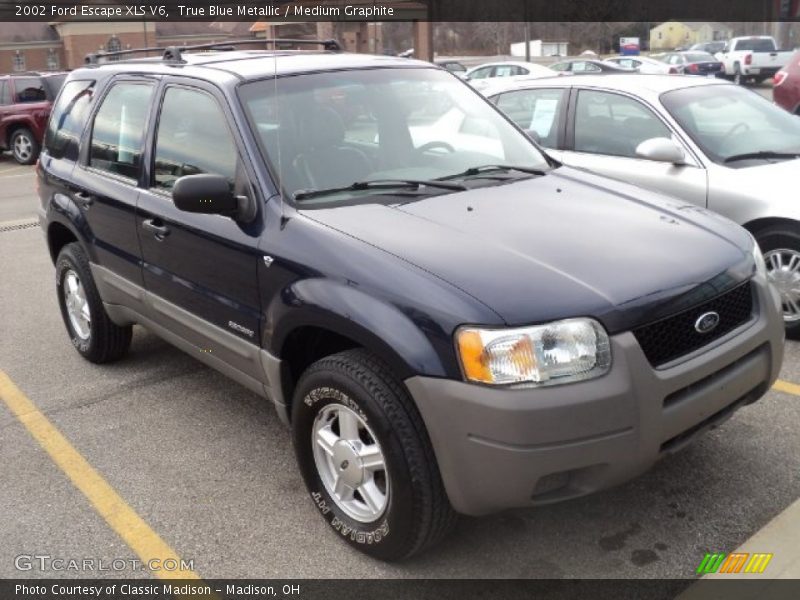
[{"x": 449, "y": 320}]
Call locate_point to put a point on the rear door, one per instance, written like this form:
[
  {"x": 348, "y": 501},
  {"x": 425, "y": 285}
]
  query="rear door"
[
  {"x": 604, "y": 129},
  {"x": 105, "y": 183},
  {"x": 200, "y": 271},
  {"x": 539, "y": 110}
]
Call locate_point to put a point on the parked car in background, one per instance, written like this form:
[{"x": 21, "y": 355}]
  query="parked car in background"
[
  {"x": 643, "y": 64},
  {"x": 694, "y": 63},
  {"x": 786, "y": 86},
  {"x": 582, "y": 66},
  {"x": 710, "y": 47},
  {"x": 753, "y": 58},
  {"x": 453, "y": 66},
  {"x": 481, "y": 75},
  {"x": 25, "y": 103},
  {"x": 705, "y": 141}
]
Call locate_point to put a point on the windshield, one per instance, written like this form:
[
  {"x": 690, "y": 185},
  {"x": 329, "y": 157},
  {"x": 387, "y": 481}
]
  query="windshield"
[
  {"x": 322, "y": 131},
  {"x": 728, "y": 120}
]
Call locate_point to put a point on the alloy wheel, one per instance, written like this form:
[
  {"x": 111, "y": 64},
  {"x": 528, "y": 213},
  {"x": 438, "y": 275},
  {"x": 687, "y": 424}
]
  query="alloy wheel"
[
  {"x": 783, "y": 272},
  {"x": 80, "y": 317},
  {"x": 350, "y": 463}
]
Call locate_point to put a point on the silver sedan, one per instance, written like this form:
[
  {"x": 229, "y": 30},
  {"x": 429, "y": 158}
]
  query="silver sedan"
[{"x": 706, "y": 141}]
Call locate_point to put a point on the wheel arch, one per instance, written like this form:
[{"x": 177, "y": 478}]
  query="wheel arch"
[
  {"x": 58, "y": 236},
  {"x": 757, "y": 225},
  {"x": 324, "y": 317}
]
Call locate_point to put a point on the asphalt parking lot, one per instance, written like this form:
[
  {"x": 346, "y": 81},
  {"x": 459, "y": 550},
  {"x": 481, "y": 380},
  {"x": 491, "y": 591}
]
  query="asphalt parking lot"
[{"x": 209, "y": 468}]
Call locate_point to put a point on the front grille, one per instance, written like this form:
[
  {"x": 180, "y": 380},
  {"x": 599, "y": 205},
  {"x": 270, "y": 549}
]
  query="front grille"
[{"x": 675, "y": 336}]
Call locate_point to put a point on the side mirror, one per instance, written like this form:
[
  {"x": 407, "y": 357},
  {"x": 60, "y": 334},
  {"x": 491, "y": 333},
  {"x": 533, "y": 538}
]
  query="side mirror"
[
  {"x": 662, "y": 150},
  {"x": 210, "y": 195}
]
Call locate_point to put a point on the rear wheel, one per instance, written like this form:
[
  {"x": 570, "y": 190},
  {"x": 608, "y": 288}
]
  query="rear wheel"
[
  {"x": 366, "y": 458},
  {"x": 781, "y": 248},
  {"x": 24, "y": 147},
  {"x": 90, "y": 329}
]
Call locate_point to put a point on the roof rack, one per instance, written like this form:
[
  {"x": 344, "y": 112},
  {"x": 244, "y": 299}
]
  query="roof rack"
[{"x": 174, "y": 53}]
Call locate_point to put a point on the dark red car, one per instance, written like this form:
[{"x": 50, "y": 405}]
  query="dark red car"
[
  {"x": 25, "y": 103},
  {"x": 786, "y": 89}
]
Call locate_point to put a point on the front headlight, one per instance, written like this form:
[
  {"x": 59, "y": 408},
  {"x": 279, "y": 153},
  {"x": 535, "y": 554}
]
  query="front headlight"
[
  {"x": 758, "y": 257},
  {"x": 558, "y": 352}
]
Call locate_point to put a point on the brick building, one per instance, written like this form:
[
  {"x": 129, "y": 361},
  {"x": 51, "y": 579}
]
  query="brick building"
[{"x": 63, "y": 45}]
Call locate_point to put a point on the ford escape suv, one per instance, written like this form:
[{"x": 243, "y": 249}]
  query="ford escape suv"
[{"x": 448, "y": 320}]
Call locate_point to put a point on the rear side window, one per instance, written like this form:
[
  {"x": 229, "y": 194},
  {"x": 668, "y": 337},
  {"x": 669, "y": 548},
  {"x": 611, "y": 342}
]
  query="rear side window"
[
  {"x": 118, "y": 129},
  {"x": 5, "y": 96},
  {"x": 68, "y": 119},
  {"x": 193, "y": 138},
  {"x": 535, "y": 110},
  {"x": 30, "y": 89}
]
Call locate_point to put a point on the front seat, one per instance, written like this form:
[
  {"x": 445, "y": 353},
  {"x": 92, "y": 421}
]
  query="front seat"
[{"x": 326, "y": 162}]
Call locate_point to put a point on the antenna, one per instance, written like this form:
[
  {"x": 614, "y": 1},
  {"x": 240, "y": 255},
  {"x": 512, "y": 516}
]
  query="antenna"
[{"x": 280, "y": 126}]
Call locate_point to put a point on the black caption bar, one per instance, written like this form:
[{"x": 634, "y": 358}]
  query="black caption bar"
[
  {"x": 435, "y": 589},
  {"x": 403, "y": 10}
]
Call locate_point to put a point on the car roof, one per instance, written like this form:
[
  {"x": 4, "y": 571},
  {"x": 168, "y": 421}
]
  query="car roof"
[
  {"x": 516, "y": 63},
  {"x": 639, "y": 84},
  {"x": 220, "y": 65}
]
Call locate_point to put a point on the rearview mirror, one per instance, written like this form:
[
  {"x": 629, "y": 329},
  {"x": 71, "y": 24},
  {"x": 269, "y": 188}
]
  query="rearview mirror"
[
  {"x": 205, "y": 194},
  {"x": 662, "y": 150}
]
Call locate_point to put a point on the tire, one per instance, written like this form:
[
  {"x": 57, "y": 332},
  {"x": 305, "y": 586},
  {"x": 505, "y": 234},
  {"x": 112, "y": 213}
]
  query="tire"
[
  {"x": 781, "y": 240},
  {"x": 24, "y": 147},
  {"x": 737, "y": 75},
  {"x": 416, "y": 512},
  {"x": 99, "y": 340}
]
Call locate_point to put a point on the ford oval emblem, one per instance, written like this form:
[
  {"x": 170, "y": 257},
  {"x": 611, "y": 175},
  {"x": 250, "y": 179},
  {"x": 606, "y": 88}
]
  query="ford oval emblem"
[{"x": 706, "y": 322}]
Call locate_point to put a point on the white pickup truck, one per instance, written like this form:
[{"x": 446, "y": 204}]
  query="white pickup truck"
[{"x": 752, "y": 58}]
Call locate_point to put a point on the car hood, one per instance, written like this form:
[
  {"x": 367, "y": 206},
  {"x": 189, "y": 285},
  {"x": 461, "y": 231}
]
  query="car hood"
[{"x": 562, "y": 245}]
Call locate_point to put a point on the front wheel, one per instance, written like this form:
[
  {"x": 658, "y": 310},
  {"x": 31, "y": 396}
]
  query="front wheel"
[
  {"x": 366, "y": 458},
  {"x": 781, "y": 248},
  {"x": 90, "y": 329}
]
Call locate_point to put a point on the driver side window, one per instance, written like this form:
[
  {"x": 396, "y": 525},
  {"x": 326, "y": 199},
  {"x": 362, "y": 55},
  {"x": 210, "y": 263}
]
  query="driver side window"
[
  {"x": 193, "y": 138},
  {"x": 612, "y": 124}
]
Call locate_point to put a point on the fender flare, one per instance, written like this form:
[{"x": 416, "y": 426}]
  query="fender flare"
[
  {"x": 63, "y": 211},
  {"x": 350, "y": 312}
]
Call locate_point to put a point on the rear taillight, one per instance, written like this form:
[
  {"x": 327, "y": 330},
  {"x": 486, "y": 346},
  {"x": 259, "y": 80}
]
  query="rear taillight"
[
  {"x": 693, "y": 68},
  {"x": 780, "y": 77},
  {"x": 748, "y": 59}
]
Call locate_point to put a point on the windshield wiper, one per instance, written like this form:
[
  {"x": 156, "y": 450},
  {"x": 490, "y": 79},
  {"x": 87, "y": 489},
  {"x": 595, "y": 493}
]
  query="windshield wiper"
[
  {"x": 762, "y": 154},
  {"x": 379, "y": 184},
  {"x": 474, "y": 171}
]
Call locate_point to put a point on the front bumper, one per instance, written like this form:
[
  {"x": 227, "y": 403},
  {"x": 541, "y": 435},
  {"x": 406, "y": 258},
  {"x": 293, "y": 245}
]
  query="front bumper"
[{"x": 501, "y": 448}]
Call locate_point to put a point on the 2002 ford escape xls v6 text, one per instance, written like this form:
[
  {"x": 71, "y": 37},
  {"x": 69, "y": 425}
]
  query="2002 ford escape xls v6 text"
[{"x": 450, "y": 321}]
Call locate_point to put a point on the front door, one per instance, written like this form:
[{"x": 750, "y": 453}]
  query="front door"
[
  {"x": 604, "y": 130},
  {"x": 200, "y": 271}
]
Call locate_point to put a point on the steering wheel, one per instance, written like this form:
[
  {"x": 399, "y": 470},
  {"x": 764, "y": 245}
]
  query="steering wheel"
[
  {"x": 743, "y": 126},
  {"x": 433, "y": 145}
]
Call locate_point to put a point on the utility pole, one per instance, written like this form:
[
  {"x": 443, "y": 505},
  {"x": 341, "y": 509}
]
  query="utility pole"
[{"x": 527, "y": 32}]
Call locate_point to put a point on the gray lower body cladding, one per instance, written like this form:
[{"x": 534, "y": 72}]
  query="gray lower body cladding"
[{"x": 505, "y": 448}]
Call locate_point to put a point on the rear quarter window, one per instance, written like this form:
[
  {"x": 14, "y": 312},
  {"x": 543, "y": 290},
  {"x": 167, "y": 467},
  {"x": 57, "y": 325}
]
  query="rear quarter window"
[{"x": 68, "y": 120}]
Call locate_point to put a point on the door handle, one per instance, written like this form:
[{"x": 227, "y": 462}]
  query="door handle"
[
  {"x": 83, "y": 199},
  {"x": 156, "y": 227}
]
